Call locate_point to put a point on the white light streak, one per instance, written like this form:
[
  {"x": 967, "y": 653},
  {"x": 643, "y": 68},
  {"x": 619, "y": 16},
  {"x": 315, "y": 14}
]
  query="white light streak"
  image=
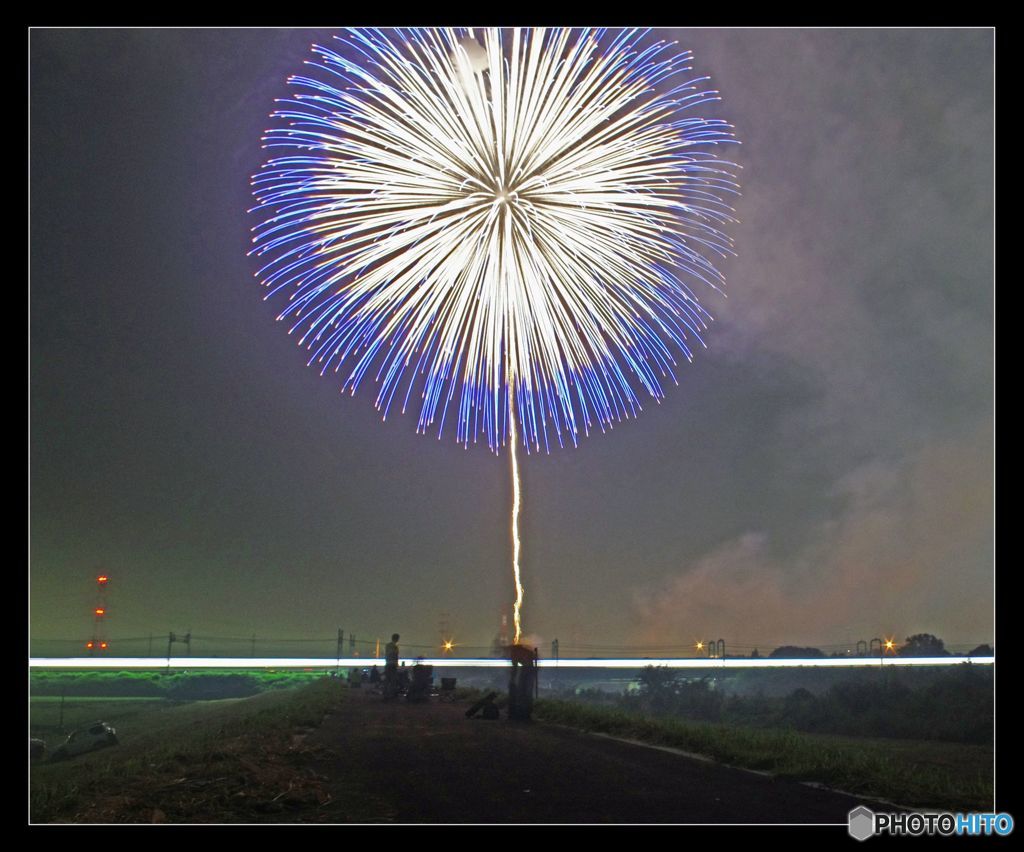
[{"x": 323, "y": 663}]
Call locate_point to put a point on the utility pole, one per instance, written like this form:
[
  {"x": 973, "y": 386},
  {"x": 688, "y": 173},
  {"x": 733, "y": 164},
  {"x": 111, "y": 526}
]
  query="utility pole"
[
  {"x": 173, "y": 637},
  {"x": 503, "y": 634},
  {"x": 554, "y": 656},
  {"x": 341, "y": 643},
  {"x": 445, "y": 631}
]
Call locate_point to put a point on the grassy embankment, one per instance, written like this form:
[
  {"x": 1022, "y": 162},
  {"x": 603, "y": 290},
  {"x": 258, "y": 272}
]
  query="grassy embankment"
[
  {"x": 183, "y": 685},
  {"x": 241, "y": 759},
  {"x": 229, "y": 760},
  {"x": 955, "y": 776}
]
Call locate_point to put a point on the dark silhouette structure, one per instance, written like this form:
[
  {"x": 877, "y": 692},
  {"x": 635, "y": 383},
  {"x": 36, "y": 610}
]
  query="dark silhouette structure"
[
  {"x": 487, "y": 705},
  {"x": 522, "y": 684},
  {"x": 422, "y": 681}
]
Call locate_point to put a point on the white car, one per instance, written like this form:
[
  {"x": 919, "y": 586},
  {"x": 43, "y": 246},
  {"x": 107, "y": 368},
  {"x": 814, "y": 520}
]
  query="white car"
[{"x": 97, "y": 735}]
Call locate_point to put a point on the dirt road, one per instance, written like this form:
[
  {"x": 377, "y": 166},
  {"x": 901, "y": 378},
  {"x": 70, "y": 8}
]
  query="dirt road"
[{"x": 428, "y": 763}]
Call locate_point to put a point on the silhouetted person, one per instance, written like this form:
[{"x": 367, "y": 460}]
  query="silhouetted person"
[
  {"x": 391, "y": 667},
  {"x": 374, "y": 675}
]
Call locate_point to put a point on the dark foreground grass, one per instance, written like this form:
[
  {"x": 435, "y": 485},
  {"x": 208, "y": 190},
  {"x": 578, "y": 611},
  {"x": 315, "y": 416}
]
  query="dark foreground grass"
[
  {"x": 951, "y": 776},
  {"x": 234, "y": 760},
  {"x": 52, "y": 719}
]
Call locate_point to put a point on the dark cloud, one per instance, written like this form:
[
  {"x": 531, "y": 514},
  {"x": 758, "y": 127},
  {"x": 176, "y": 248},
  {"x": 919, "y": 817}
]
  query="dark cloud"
[
  {"x": 908, "y": 548},
  {"x": 866, "y": 266}
]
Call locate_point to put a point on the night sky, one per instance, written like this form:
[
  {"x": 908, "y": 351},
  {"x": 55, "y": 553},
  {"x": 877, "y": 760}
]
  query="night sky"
[{"x": 822, "y": 474}]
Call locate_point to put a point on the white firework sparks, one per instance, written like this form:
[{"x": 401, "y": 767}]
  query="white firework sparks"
[{"x": 517, "y": 221}]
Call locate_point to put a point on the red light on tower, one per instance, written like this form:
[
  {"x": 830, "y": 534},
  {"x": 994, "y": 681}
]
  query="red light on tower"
[{"x": 98, "y": 642}]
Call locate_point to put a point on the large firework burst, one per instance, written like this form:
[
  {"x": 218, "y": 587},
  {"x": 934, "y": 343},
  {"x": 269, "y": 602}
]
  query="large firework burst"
[{"x": 507, "y": 230}]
